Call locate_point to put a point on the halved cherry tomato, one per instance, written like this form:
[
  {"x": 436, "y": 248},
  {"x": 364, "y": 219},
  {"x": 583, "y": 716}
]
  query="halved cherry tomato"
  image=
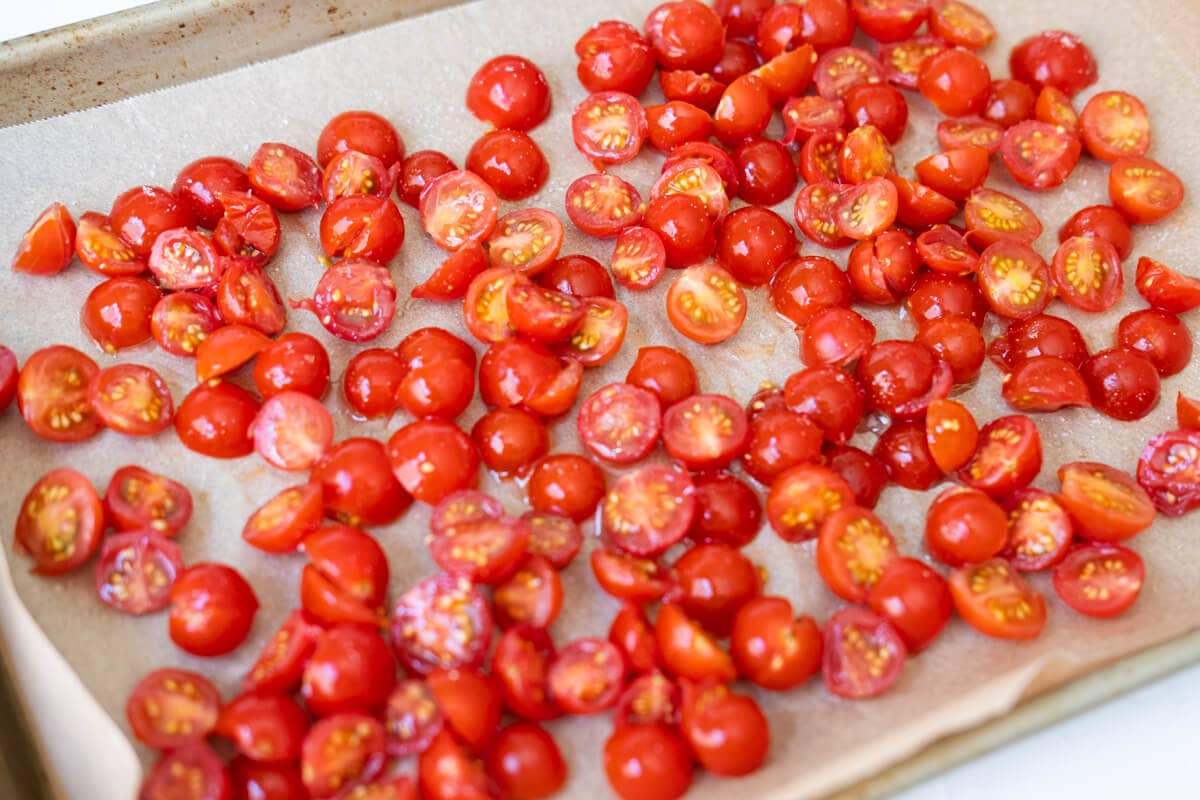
[
  {"x": 1054, "y": 107},
  {"x": 246, "y": 295},
  {"x": 458, "y": 207},
  {"x": 771, "y": 647},
  {"x": 131, "y": 399},
  {"x": 1039, "y": 155},
  {"x": 294, "y": 362},
  {"x": 902, "y": 61},
  {"x": 1041, "y": 335},
  {"x": 1166, "y": 289},
  {"x": 280, "y": 665},
  {"x": 528, "y": 240},
  {"x": 830, "y": 397},
  {"x": 417, "y": 171},
  {"x": 1123, "y": 384},
  {"x": 920, "y": 206},
  {"x": 651, "y": 696},
  {"x": 116, "y": 314},
  {"x": 136, "y": 570},
  {"x": 954, "y": 173},
  {"x": 647, "y": 762},
  {"x": 52, "y": 394},
  {"x": 991, "y": 215},
  {"x": 1100, "y": 580},
  {"x": 728, "y": 732},
  {"x": 864, "y": 473},
  {"x": 280, "y": 524},
  {"x": 1100, "y": 222},
  {"x": 212, "y": 609},
  {"x": 889, "y": 20},
  {"x": 1143, "y": 190},
  {"x": 819, "y": 156},
  {"x": 351, "y": 173},
  {"x": 866, "y": 209},
  {"x": 620, "y": 423},
  {"x": 520, "y": 665},
  {"x": 49, "y": 244},
  {"x": 346, "y": 578},
  {"x": 609, "y": 127},
  {"x": 565, "y": 484},
  {"x": 509, "y": 92},
  {"x": 140, "y": 214},
  {"x": 171, "y": 708},
  {"x": 266, "y": 727},
  {"x": 1045, "y": 383},
  {"x": 630, "y": 578},
  {"x": 350, "y": 669},
  {"x": 354, "y": 300},
  {"x": 1009, "y": 102},
  {"x": 214, "y": 420},
  {"x": 340, "y": 752},
  {"x": 1114, "y": 125},
  {"x": 603, "y": 205},
  {"x": 292, "y": 431},
  {"x": 803, "y": 287},
  {"x": 802, "y": 498},
  {"x": 996, "y": 601},
  {"x": 226, "y": 349},
  {"x": 586, "y": 676},
  {"x": 432, "y": 458},
  {"x": 484, "y": 550},
  {"x": 714, "y": 581},
  {"x": 372, "y": 381},
  {"x": 902, "y": 378},
  {"x": 685, "y": 227},
  {"x": 842, "y": 68},
  {"x": 1187, "y": 412},
  {"x": 101, "y": 250},
  {"x": 779, "y": 439},
  {"x": 955, "y": 81},
  {"x": 1087, "y": 273},
  {"x": 705, "y": 431},
  {"x": 532, "y": 595},
  {"x": 599, "y": 337},
  {"x": 509, "y": 439},
  {"x": 1106, "y": 504},
  {"x": 648, "y": 510},
  {"x": 914, "y": 599},
  {"x": 60, "y": 522},
  {"x": 706, "y": 304},
  {"x": 1053, "y": 58},
  {"x": 810, "y": 114},
  {"x": 411, "y": 718},
  {"x": 694, "y": 177},
  {"x": 1039, "y": 530},
  {"x": 525, "y": 762},
  {"x": 137, "y": 498},
  {"x": 854, "y": 548},
  {"x": 1009, "y": 456},
  {"x": 285, "y": 177},
  {"x": 766, "y": 170},
  {"x": 863, "y": 656},
  {"x": 1161, "y": 337},
  {"x": 958, "y": 343},
  {"x": 614, "y": 55},
  {"x": 266, "y": 781},
  {"x": 639, "y": 258},
  {"x": 965, "y": 526},
  {"x": 443, "y": 622},
  {"x": 903, "y": 449},
  {"x": 182, "y": 258},
  {"x": 1015, "y": 280},
  {"x": 960, "y": 24},
  {"x": 883, "y": 269},
  {"x": 248, "y": 228},
  {"x": 687, "y": 651},
  {"x": 362, "y": 226},
  {"x": 864, "y": 155},
  {"x": 362, "y": 131},
  {"x": 192, "y": 771},
  {"x": 1169, "y": 471},
  {"x": 744, "y": 110},
  {"x": 821, "y": 23}
]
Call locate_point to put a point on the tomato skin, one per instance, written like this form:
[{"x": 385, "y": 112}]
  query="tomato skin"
[
  {"x": 1009, "y": 102},
  {"x": 140, "y": 214},
  {"x": 958, "y": 343},
  {"x": 170, "y": 708},
  {"x": 1087, "y": 273},
  {"x": 1009, "y": 456},
  {"x": 49, "y": 244},
  {"x": 358, "y": 486},
  {"x": 212, "y": 610},
  {"x": 295, "y": 362},
  {"x": 579, "y": 276},
  {"x": 664, "y": 371},
  {"x": 362, "y": 226},
  {"x": 1041, "y": 335},
  {"x": 1187, "y": 412},
  {"x": 863, "y": 473},
  {"x": 902, "y": 61},
  {"x": 685, "y": 227},
  {"x": 728, "y": 732},
  {"x": 613, "y": 55},
  {"x": 954, "y": 173},
  {"x": 510, "y": 162},
  {"x": 847, "y": 669},
  {"x": 266, "y": 727},
  {"x": 753, "y": 243},
  {"x": 417, "y": 170},
  {"x": 432, "y": 458},
  {"x": 456, "y": 208},
  {"x": 469, "y": 702},
  {"x": 509, "y": 92},
  {"x": 255, "y": 781},
  {"x": 525, "y": 762},
  {"x": 603, "y": 205},
  {"x": 687, "y": 651},
  {"x": 1054, "y": 58},
  {"x": 566, "y": 484},
  {"x": 360, "y": 131},
  {"x": 706, "y": 304},
  {"x": 804, "y": 286},
  {"x": 956, "y": 82},
  {"x": 346, "y": 578},
  {"x": 904, "y": 452},
  {"x": 354, "y": 300},
  {"x": 280, "y": 524},
  {"x": 822, "y": 23},
  {"x": 226, "y": 349},
  {"x": 102, "y": 251},
  {"x": 198, "y": 184},
  {"x": 1165, "y": 289},
  {"x": 1161, "y": 337},
  {"x": 1100, "y": 222},
  {"x": 743, "y": 112},
  {"x": 937, "y": 295},
  {"x": 898, "y": 377},
  {"x": 772, "y": 648},
  {"x": 1124, "y": 385},
  {"x": 1045, "y": 383},
  {"x": 647, "y": 762},
  {"x": 715, "y": 581},
  {"x": 995, "y": 600},
  {"x": 880, "y": 105},
  {"x": 915, "y": 599},
  {"x": 648, "y": 510},
  {"x": 215, "y": 420},
  {"x": 830, "y": 397},
  {"x": 676, "y": 122},
  {"x": 191, "y": 771},
  {"x": 951, "y": 433},
  {"x": 965, "y": 526}
]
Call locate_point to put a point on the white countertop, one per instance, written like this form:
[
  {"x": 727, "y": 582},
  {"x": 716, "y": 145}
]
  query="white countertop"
[{"x": 1135, "y": 746}]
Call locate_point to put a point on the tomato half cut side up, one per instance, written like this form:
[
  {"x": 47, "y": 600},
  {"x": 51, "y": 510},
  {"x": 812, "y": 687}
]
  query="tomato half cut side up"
[
  {"x": 1100, "y": 580},
  {"x": 1144, "y": 190},
  {"x": 287, "y": 178},
  {"x": 648, "y": 510},
  {"x": 867, "y": 209},
  {"x": 1039, "y": 530},
  {"x": 180, "y": 321},
  {"x": 101, "y": 250},
  {"x": 620, "y": 423},
  {"x": 442, "y": 622},
  {"x": 705, "y": 431},
  {"x": 1008, "y": 457},
  {"x": 1038, "y": 155},
  {"x": 802, "y": 498},
  {"x": 280, "y": 665},
  {"x": 528, "y": 240},
  {"x": 292, "y": 431},
  {"x": 603, "y": 205},
  {"x": 192, "y": 771},
  {"x": 609, "y": 127},
  {"x": 639, "y": 258},
  {"x": 170, "y": 708},
  {"x": 137, "y": 498},
  {"x": 131, "y": 399},
  {"x": 136, "y": 570},
  {"x": 863, "y": 654},
  {"x": 599, "y": 336},
  {"x": 1015, "y": 281},
  {"x": 1087, "y": 273},
  {"x": 991, "y": 215},
  {"x": 1169, "y": 471},
  {"x": 1106, "y": 504},
  {"x": 52, "y": 394},
  {"x": 996, "y": 601},
  {"x": 458, "y": 207},
  {"x": 354, "y": 300},
  {"x": 706, "y": 304},
  {"x": 854, "y": 548},
  {"x": 586, "y": 676}
]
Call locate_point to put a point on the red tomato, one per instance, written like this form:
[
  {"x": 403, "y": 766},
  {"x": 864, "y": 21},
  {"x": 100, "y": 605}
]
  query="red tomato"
[
  {"x": 485, "y": 550},
  {"x": 904, "y": 452},
  {"x": 866, "y": 209},
  {"x": 1039, "y": 530},
  {"x": 943, "y": 249},
  {"x": 1187, "y": 412},
  {"x": 864, "y": 654},
  {"x": 101, "y": 250},
  {"x": 991, "y": 215},
  {"x": 802, "y": 498},
  {"x": 417, "y": 171},
  {"x": 811, "y": 114},
  {"x": 509, "y": 439},
  {"x": 614, "y": 56},
  {"x": 1087, "y": 273},
  {"x": 1015, "y": 280},
  {"x": 688, "y": 86},
  {"x": 1161, "y": 337},
  {"x": 1105, "y": 504},
  {"x": 1113, "y": 125},
  {"x": 603, "y": 205},
  {"x": 880, "y": 106},
  {"x": 705, "y": 431},
  {"x": 350, "y": 669},
  {"x": 212, "y": 610},
  {"x": 1169, "y": 471},
  {"x": 443, "y": 622},
  {"x": 358, "y": 486},
  {"x": 452, "y": 279},
  {"x": 649, "y": 697},
  {"x": 136, "y": 570},
  {"x": 647, "y": 762},
  {"x": 285, "y": 177},
  {"x": 1053, "y": 106},
  {"x": 620, "y": 423},
  {"x": 902, "y": 61},
  {"x": 351, "y": 174},
  {"x": 706, "y": 304},
  {"x": 1039, "y": 155},
  {"x": 520, "y": 665},
  {"x": 630, "y": 578},
  {"x": 137, "y": 498},
  {"x": 951, "y": 433},
  {"x": 889, "y": 20},
  {"x": 194, "y": 772},
  {"x": 954, "y": 173},
  {"x": 864, "y": 473},
  {"x": 1009, "y": 456},
  {"x": 586, "y": 676},
  {"x": 1100, "y": 222},
  {"x": 771, "y": 647},
  {"x": 280, "y": 665},
  {"x": 690, "y": 36},
  {"x": 60, "y": 522},
  {"x": 215, "y": 419},
  {"x": 766, "y": 171},
  {"x": 372, "y": 381},
  {"x": 579, "y": 276},
  {"x": 131, "y": 399},
  {"x": 49, "y": 244},
  {"x": 354, "y": 300},
  {"x": 226, "y": 349},
  {"x": 996, "y": 601},
  {"x": 362, "y": 226},
  {"x": 902, "y": 378},
  {"x": 432, "y": 458},
  {"x": 565, "y": 484},
  {"x": 182, "y": 258},
  {"x": 1166, "y": 289},
  {"x": 914, "y": 599},
  {"x": 639, "y": 258},
  {"x": 958, "y": 343},
  {"x": 363, "y": 132},
  {"x": 456, "y": 208},
  {"x": 1100, "y": 580},
  {"x": 1054, "y": 58},
  {"x": 829, "y": 397},
  {"x": 715, "y": 580},
  {"x": 664, "y": 371},
  {"x": 779, "y": 439},
  {"x": 246, "y": 295},
  {"x": 525, "y": 762},
  {"x": 1041, "y": 335},
  {"x": 821, "y": 23},
  {"x": 676, "y": 122},
  {"x": 1143, "y": 190},
  {"x": 865, "y": 154},
  {"x": 960, "y": 24},
  {"x": 687, "y": 651},
  {"x": 171, "y": 708},
  {"x": 819, "y": 157},
  {"x": 695, "y": 177},
  {"x": 648, "y": 510},
  {"x": 956, "y": 82},
  {"x": 1009, "y": 102},
  {"x": 264, "y": 781},
  {"x": 52, "y": 394},
  {"x": 510, "y": 161},
  {"x": 140, "y": 214},
  {"x": 609, "y": 127},
  {"x": 965, "y": 526},
  {"x": 532, "y": 595},
  {"x": 509, "y": 92},
  {"x": 753, "y": 243},
  {"x": 528, "y": 240},
  {"x": 744, "y": 110},
  {"x": 295, "y": 362},
  {"x": 685, "y": 227},
  {"x": 341, "y": 752},
  {"x": 803, "y": 287},
  {"x": 842, "y": 68},
  {"x": 728, "y": 732},
  {"x": 412, "y": 718},
  {"x": 884, "y": 268},
  {"x": 280, "y": 524},
  {"x": 248, "y": 228},
  {"x": 595, "y": 342},
  {"x": 1123, "y": 384},
  {"x": 854, "y": 548},
  {"x": 346, "y": 578},
  {"x": 1045, "y": 383},
  {"x": 268, "y": 728},
  {"x": 446, "y": 770}
]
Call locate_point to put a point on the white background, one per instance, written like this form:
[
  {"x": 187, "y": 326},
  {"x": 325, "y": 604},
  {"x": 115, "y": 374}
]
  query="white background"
[{"x": 1138, "y": 746}]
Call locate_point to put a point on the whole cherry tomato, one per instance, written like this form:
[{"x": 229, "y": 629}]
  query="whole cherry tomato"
[{"x": 212, "y": 610}]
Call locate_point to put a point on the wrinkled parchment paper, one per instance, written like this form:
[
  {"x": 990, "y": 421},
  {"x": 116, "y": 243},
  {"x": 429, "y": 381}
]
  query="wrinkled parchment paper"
[{"x": 415, "y": 72}]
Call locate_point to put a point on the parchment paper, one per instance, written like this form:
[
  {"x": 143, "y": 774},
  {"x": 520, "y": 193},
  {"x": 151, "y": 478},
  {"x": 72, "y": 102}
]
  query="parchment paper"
[{"x": 415, "y": 72}]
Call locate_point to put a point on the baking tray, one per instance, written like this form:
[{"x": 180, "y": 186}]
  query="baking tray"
[{"x": 170, "y": 42}]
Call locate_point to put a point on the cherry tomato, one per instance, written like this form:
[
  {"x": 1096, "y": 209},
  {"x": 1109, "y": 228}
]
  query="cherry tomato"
[
  {"x": 639, "y": 258},
  {"x": 1100, "y": 580},
  {"x": 1009, "y": 456},
  {"x": 49, "y": 244},
  {"x": 279, "y": 525},
  {"x": 116, "y": 314},
  {"x": 246, "y": 295},
  {"x": 280, "y": 666},
  {"x": 956, "y": 342},
  {"x": 212, "y": 610},
  {"x": 137, "y": 498},
  {"x": 598, "y": 338},
  {"x": 417, "y": 171},
  {"x": 565, "y": 484},
  {"x": 456, "y": 208},
  {"x": 811, "y": 114},
  {"x": 695, "y": 177},
  {"x": 884, "y": 268},
  {"x": 1160, "y": 337},
  {"x": 664, "y": 371},
  {"x": 510, "y": 162},
  {"x": 822, "y": 23},
  {"x": 341, "y": 752},
  {"x": 651, "y": 697},
  {"x": 525, "y": 762},
  {"x": 706, "y": 304},
  {"x": 136, "y": 570},
  {"x": 1039, "y": 155},
  {"x": 432, "y": 458},
  {"x": 779, "y": 439},
  {"x": 620, "y": 423},
  {"x": 1009, "y": 102},
  {"x": 715, "y": 580},
  {"x": 956, "y": 82},
  {"x": 902, "y": 61},
  {"x": 889, "y": 20},
  {"x": 362, "y": 226},
  {"x": 1166, "y": 289},
  {"x": 819, "y": 157},
  {"x": 995, "y": 600},
  {"x": 766, "y": 171},
  {"x": 866, "y": 209},
  {"x": 248, "y": 228},
  {"x": 955, "y": 173},
  {"x": 354, "y": 300},
  {"x": 1041, "y": 335},
  {"x": 1187, "y": 412},
  {"x": 182, "y": 258},
  {"x": 586, "y": 676},
  {"x": 1100, "y": 222},
  {"x": 102, "y": 251},
  {"x": 965, "y": 526},
  {"x": 613, "y": 55},
  {"x": 1114, "y": 125},
  {"x": 1105, "y": 504},
  {"x": 901, "y": 378},
  {"x": 485, "y": 550},
  {"x": 676, "y": 122},
  {"x": 1169, "y": 471},
  {"x": 630, "y": 578},
  {"x": 705, "y": 431},
  {"x": 1054, "y": 58},
  {"x": 1039, "y": 530},
  {"x": 532, "y": 595},
  {"x": 728, "y": 732},
  {"x": 171, "y": 708},
  {"x": 1123, "y": 384},
  {"x": 771, "y": 647},
  {"x": 864, "y": 473},
  {"x": 753, "y": 243},
  {"x": 371, "y": 382},
  {"x": 609, "y": 127},
  {"x": 744, "y": 110},
  {"x": 880, "y": 106},
  {"x": 903, "y": 449},
  {"x": 285, "y": 177},
  {"x": 358, "y": 486},
  {"x": 60, "y": 522},
  {"x": 268, "y": 728},
  {"x": 579, "y": 276},
  {"x": 509, "y": 92},
  {"x": 352, "y": 174},
  {"x": 520, "y": 665},
  {"x": 951, "y": 433},
  {"x": 829, "y": 397},
  {"x": 412, "y": 718},
  {"x": 685, "y": 227},
  {"x": 131, "y": 399},
  {"x": 528, "y": 240},
  {"x": 914, "y": 599},
  {"x": 350, "y": 669},
  {"x": 648, "y": 510},
  {"x": 647, "y": 762},
  {"x": 1015, "y": 280},
  {"x": 452, "y": 279},
  {"x": 803, "y": 287},
  {"x": 193, "y": 771},
  {"x": 865, "y": 154},
  {"x": 140, "y": 214},
  {"x": 443, "y": 622},
  {"x": 363, "y": 132},
  {"x": 802, "y": 498},
  {"x": 226, "y": 349},
  {"x": 603, "y": 205},
  {"x": 215, "y": 419},
  {"x": 960, "y": 24},
  {"x": 52, "y": 394},
  {"x": 346, "y": 577},
  {"x": 854, "y": 548},
  {"x": 687, "y": 651},
  {"x": 1143, "y": 190},
  {"x": 1087, "y": 273},
  {"x": 294, "y": 362},
  {"x": 863, "y": 656},
  {"x": 991, "y": 215},
  {"x": 252, "y": 779},
  {"x": 1045, "y": 383}
]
